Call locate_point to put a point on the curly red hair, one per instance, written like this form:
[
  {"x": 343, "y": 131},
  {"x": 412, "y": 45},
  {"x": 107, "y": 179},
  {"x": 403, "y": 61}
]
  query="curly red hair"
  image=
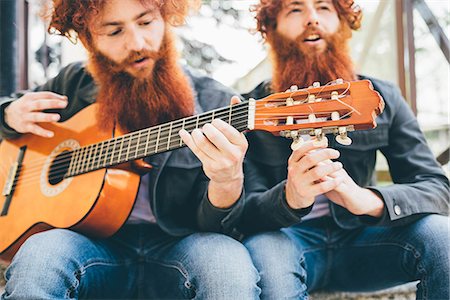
[
  {"x": 267, "y": 11},
  {"x": 71, "y": 17}
]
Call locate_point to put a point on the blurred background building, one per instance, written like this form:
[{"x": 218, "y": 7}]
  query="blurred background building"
[{"x": 403, "y": 41}]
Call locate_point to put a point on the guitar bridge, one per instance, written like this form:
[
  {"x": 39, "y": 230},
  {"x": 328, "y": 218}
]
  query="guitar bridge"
[{"x": 7, "y": 189}]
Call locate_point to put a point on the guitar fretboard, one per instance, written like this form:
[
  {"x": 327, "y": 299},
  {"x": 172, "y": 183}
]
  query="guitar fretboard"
[{"x": 149, "y": 141}]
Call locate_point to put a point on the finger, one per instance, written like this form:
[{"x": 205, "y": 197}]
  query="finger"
[
  {"x": 305, "y": 148},
  {"x": 230, "y": 133},
  {"x": 204, "y": 143},
  {"x": 38, "y": 130},
  {"x": 217, "y": 138},
  {"x": 235, "y": 100},
  {"x": 322, "y": 172},
  {"x": 38, "y": 117},
  {"x": 189, "y": 141},
  {"x": 312, "y": 159},
  {"x": 325, "y": 186},
  {"x": 45, "y": 95},
  {"x": 42, "y": 104}
]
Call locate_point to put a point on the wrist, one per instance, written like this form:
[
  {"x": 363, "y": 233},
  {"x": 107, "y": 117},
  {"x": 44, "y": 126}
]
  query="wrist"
[
  {"x": 225, "y": 194},
  {"x": 376, "y": 208},
  {"x": 5, "y": 116},
  {"x": 294, "y": 201}
]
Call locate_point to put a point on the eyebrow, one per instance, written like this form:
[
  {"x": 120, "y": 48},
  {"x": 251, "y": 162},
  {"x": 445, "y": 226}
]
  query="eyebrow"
[
  {"x": 115, "y": 23},
  {"x": 295, "y": 3},
  {"x": 302, "y": 3}
]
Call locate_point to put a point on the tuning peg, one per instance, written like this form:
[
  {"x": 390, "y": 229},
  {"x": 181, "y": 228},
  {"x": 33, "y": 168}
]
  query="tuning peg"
[
  {"x": 335, "y": 116},
  {"x": 294, "y": 88},
  {"x": 290, "y": 120},
  {"x": 321, "y": 139},
  {"x": 316, "y": 84},
  {"x": 311, "y": 98},
  {"x": 334, "y": 95},
  {"x": 342, "y": 137},
  {"x": 312, "y": 118},
  {"x": 297, "y": 142},
  {"x": 339, "y": 81}
]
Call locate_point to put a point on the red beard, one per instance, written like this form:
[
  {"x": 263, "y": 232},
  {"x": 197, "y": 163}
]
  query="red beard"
[
  {"x": 159, "y": 94},
  {"x": 296, "y": 64}
]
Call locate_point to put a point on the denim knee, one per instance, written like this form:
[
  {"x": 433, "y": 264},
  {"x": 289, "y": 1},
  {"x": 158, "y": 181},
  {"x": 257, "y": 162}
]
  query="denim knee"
[
  {"x": 280, "y": 264},
  {"x": 41, "y": 263},
  {"x": 221, "y": 268}
]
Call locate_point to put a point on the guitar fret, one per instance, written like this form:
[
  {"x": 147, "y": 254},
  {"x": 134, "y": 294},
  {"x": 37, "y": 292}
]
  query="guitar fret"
[
  {"x": 88, "y": 161},
  {"x": 73, "y": 160},
  {"x": 114, "y": 144},
  {"x": 120, "y": 150},
  {"x": 147, "y": 141},
  {"x": 106, "y": 153},
  {"x": 157, "y": 139},
  {"x": 92, "y": 159},
  {"x": 182, "y": 127},
  {"x": 168, "y": 138},
  {"x": 230, "y": 112},
  {"x": 80, "y": 161},
  {"x": 136, "y": 154},
  {"x": 100, "y": 155},
  {"x": 196, "y": 123},
  {"x": 128, "y": 148}
]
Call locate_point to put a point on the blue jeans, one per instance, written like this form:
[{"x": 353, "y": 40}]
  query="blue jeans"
[
  {"x": 140, "y": 261},
  {"x": 318, "y": 255}
]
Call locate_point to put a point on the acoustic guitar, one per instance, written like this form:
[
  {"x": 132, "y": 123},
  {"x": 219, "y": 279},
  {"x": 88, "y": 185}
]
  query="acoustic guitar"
[{"x": 77, "y": 179}]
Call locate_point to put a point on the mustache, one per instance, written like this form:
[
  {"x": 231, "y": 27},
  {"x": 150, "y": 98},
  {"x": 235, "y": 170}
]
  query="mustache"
[
  {"x": 310, "y": 31},
  {"x": 139, "y": 55},
  {"x": 132, "y": 57}
]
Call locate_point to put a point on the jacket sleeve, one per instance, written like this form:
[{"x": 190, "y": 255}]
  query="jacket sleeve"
[
  {"x": 419, "y": 184},
  {"x": 72, "y": 81},
  {"x": 211, "y": 218},
  {"x": 266, "y": 207}
]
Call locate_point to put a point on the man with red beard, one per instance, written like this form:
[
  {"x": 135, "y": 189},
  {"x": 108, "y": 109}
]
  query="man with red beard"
[
  {"x": 172, "y": 245},
  {"x": 346, "y": 233}
]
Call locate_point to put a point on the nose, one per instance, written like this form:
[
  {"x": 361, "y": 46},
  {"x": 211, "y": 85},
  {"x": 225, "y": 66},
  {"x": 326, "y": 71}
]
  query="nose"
[
  {"x": 135, "y": 40},
  {"x": 312, "y": 18}
]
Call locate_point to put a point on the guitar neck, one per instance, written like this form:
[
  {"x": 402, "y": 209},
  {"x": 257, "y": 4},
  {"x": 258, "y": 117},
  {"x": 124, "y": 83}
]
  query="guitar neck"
[{"x": 150, "y": 141}]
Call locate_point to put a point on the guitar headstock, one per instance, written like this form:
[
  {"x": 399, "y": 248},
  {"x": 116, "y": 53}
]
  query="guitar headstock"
[{"x": 334, "y": 108}]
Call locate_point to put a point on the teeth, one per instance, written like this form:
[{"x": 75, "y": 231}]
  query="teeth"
[{"x": 313, "y": 37}]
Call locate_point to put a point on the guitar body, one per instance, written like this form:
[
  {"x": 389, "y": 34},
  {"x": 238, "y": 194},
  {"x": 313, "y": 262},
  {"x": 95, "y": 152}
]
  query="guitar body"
[{"x": 96, "y": 203}]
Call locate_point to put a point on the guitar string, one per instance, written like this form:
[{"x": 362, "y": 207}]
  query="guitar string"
[
  {"x": 147, "y": 133},
  {"x": 91, "y": 162},
  {"x": 227, "y": 109},
  {"x": 99, "y": 154},
  {"x": 136, "y": 148},
  {"x": 34, "y": 179},
  {"x": 175, "y": 124},
  {"x": 243, "y": 105}
]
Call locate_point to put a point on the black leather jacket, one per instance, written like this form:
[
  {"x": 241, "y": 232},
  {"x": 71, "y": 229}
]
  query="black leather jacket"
[
  {"x": 419, "y": 184},
  {"x": 178, "y": 186}
]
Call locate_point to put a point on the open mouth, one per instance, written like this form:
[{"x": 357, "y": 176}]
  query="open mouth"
[
  {"x": 140, "y": 60},
  {"x": 312, "y": 38}
]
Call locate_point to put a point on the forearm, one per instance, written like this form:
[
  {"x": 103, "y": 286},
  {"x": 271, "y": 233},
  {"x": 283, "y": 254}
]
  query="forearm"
[{"x": 224, "y": 195}]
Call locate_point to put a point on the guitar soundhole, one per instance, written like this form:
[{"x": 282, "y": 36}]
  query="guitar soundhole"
[{"x": 59, "y": 167}]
